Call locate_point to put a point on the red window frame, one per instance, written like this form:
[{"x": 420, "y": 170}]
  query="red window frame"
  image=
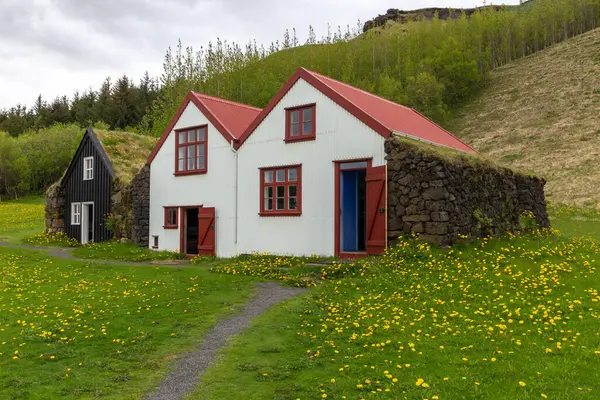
[
  {"x": 185, "y": 145},
  {"x": 286, "y": 184},
  {"x": 301, "y": 136},
  {"x": 170, "y": 224}
]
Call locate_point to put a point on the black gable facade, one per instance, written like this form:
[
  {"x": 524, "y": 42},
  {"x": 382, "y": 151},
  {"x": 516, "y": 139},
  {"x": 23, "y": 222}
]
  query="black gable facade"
[{"x": 87, "y": 190}]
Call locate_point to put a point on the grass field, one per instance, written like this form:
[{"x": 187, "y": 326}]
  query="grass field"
[
  {"x": 513, "y": 121},
  {"x": 73, "y": 330},
  {"x": 512, "y": 318},
  {"x": 21, "y": 219}
]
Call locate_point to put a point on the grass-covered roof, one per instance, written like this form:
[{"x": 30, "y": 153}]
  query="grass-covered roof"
[{"x": 126, "y": 151}]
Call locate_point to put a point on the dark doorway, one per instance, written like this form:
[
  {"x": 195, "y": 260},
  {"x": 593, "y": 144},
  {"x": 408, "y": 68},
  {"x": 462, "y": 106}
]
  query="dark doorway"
[
  {"x": 353, "y": 209},
  {"x": 191, "y": 231}
]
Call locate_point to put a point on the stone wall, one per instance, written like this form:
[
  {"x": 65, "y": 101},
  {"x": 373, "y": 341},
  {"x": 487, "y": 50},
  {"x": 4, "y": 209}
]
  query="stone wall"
[
  {"x": 140, "y": 199},
  {"x": 55, "y": 209},
  {"x": 440, "y": 193}
]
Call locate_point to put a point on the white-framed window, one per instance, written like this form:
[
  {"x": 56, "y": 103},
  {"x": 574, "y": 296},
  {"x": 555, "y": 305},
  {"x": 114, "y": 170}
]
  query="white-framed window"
[
  {"x": 88, "y": 168},
  {"x": 75, "y": 213}
]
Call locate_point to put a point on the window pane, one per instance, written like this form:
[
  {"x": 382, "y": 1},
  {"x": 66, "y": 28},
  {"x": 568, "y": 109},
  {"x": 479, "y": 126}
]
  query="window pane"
[
  {"x": 201, "y": 134},
  {"x": 182, "y": 137},
  {"x": 268, "y": 176},
  {"x": 307, "y": 114},
  {"x": 182, "y": 152},
  {"x": 307, "y": 128},
  {"x": 292, "y": 203},
  {"x": 292, "y": 191},
  {"x": 292, "y": 174},
  {"x": 294, "y": 130},
  {"x": 295, "y": 117},
  {"x": 280, "y": 191},
  {"x": 191, "y": 157},
  {"x": 354, "y": 165},
  {"x": 191, "y": 136},
  {"x": 268, "y": 204},
  {"x": 200, "y": 155},
  {"x": 269, "y": 192},
  {"x": 281, "y": 175},
  {"x": 182, "y": 164},
  {"x": 281, "y": 204}
]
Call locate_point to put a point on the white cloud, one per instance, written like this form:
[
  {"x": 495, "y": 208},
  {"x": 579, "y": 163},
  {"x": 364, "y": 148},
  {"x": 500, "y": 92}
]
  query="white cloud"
[{"x": 55, "y": 47}]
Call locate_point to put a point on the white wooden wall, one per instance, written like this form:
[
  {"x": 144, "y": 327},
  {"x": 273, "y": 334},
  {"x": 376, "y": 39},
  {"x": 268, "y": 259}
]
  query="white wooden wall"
[
  {"x": 216, "y": 188},
  {"x": 339, "y": 136}
]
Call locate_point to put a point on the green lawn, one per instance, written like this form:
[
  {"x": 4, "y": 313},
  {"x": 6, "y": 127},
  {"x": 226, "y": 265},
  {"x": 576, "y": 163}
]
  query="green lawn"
[
  {"x": 74, "y": 330},
  {"x": 123, "y": 252},
  {"x": 21, "y": 219},
  {"x": 512, "y": 318}
]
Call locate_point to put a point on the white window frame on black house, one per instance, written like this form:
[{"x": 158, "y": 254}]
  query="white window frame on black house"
[
  {"x": 88, "y": 168},
  {"x": 75, "y": 213}
]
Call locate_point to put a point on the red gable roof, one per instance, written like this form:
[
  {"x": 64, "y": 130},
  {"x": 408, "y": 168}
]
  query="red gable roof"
[
  {"x": 230, "y": 118},
  {"x": 383, "y": 116}
]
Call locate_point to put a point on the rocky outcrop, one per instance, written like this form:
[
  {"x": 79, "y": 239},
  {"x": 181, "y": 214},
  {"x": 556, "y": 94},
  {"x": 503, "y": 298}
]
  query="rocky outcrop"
[
  {"x": 140, "y": 195},
  {"x": 55, "y": 209},
  {"x": 400, "y": 16},
  {"x": 441, "y": 194}
]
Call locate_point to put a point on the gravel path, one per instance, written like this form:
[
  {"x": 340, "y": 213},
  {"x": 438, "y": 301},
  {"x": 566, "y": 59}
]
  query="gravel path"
[
  {"x": 65, "y": 253},
  {"x": 189, "y": 368}
]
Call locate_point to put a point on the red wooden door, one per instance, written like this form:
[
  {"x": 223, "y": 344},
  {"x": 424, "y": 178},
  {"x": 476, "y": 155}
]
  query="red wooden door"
[
  {"x": 376, "y": 209},
  {"x": 206, "y": 231}
]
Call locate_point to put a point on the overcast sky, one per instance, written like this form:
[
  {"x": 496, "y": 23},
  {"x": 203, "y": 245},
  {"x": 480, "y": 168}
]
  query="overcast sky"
[{"x": 54, "y": 47}]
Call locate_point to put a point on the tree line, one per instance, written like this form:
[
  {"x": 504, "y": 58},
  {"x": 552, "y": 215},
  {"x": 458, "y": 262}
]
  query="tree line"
[
  {"x": 120, "y": 105},
  {"x": 432, "y": 66}
]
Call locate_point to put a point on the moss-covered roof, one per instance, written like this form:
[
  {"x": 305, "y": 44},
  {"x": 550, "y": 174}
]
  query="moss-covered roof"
[{"x": 126, "y": 151}]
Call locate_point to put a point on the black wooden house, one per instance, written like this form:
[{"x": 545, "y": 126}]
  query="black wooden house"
[{"x": 87, "y": 185}]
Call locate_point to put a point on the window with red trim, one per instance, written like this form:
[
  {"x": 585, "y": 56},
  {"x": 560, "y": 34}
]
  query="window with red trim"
[
  {"x": 300, "y": 123},
  {"x": 191, "y": 150},
  {"x": 281, "y": 190},
  {"x": 170, "y": 218}
]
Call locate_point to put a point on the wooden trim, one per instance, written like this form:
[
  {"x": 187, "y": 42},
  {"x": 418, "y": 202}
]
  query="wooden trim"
[
  {"x": 182, "y": 215},
  {"x": 288, "y": 123},
  {"x": 286, "y": 184},
  {"x": 193, "y": 98},
  {"x": 204, "y": 143},
  {"x": 166, "y": 224},
  {"x": 318, "y": 84},
  {"x": 337, "y": 205}
]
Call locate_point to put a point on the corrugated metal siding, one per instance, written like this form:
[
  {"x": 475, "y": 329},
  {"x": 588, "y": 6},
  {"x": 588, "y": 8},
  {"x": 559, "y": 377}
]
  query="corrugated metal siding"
[
  {"x": 339, "y": 136},
  {"x": 216, "y": 188},
  {"x": 97, "y": 190}
]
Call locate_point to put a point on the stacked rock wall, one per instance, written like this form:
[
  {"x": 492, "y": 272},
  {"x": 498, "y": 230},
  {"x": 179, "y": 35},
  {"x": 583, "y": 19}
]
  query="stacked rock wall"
[
  {"x": 441, "y": 194},
  {"x": 55, "y": 209},
  {"x": 140, "y": 200}
]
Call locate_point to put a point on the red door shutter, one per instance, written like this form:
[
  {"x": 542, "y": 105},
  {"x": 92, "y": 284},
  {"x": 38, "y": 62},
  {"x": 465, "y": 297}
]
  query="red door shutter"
[
  {"x": 376, "y": 209},
  {"x": 206, "y": 231}
]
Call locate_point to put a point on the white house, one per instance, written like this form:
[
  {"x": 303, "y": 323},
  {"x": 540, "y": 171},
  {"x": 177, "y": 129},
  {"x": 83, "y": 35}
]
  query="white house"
[{"x": 306, "y": 175}]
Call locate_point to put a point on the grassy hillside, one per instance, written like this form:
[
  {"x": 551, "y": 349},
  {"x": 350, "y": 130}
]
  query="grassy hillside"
[{"x": 542, "y": 113}]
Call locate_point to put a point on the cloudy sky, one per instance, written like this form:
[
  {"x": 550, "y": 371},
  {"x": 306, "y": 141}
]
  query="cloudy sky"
[{"x": 54, "y": 47}]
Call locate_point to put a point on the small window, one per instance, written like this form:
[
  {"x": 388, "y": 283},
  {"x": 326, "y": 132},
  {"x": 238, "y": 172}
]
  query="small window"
[
  {"x": 300, "y": 123},
  {"x": 281, "y": 191},
  {"x": 170, "y": 218},
  {"x": 155, "y": 241},
  {"x": 191, "y": 150},
  {"x": 75, "y": 213},
  {"x": 88, "y": 168}
]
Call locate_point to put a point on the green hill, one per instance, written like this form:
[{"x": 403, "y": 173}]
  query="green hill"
[{"x": 542, "y": 113}]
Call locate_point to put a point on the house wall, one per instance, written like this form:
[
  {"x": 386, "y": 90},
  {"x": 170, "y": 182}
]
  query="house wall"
[
  {"x": 97, "y": 190},
  {"x": 216, "y": 188},
  {"x": 339, "y": 136},
  {"x": 440, "y": 194}
]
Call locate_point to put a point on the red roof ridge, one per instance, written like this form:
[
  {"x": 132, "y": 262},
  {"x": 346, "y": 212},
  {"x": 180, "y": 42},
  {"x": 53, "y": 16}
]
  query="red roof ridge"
[
  {"x": 318, "y": 76},
  {"x": 219, "y": 99}
]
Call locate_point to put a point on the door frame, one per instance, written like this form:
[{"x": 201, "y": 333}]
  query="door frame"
[
  {"x": 337, "y": 204},
  {"x": 183, "y": 226},
  {"x": 85, "y": 221}
]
